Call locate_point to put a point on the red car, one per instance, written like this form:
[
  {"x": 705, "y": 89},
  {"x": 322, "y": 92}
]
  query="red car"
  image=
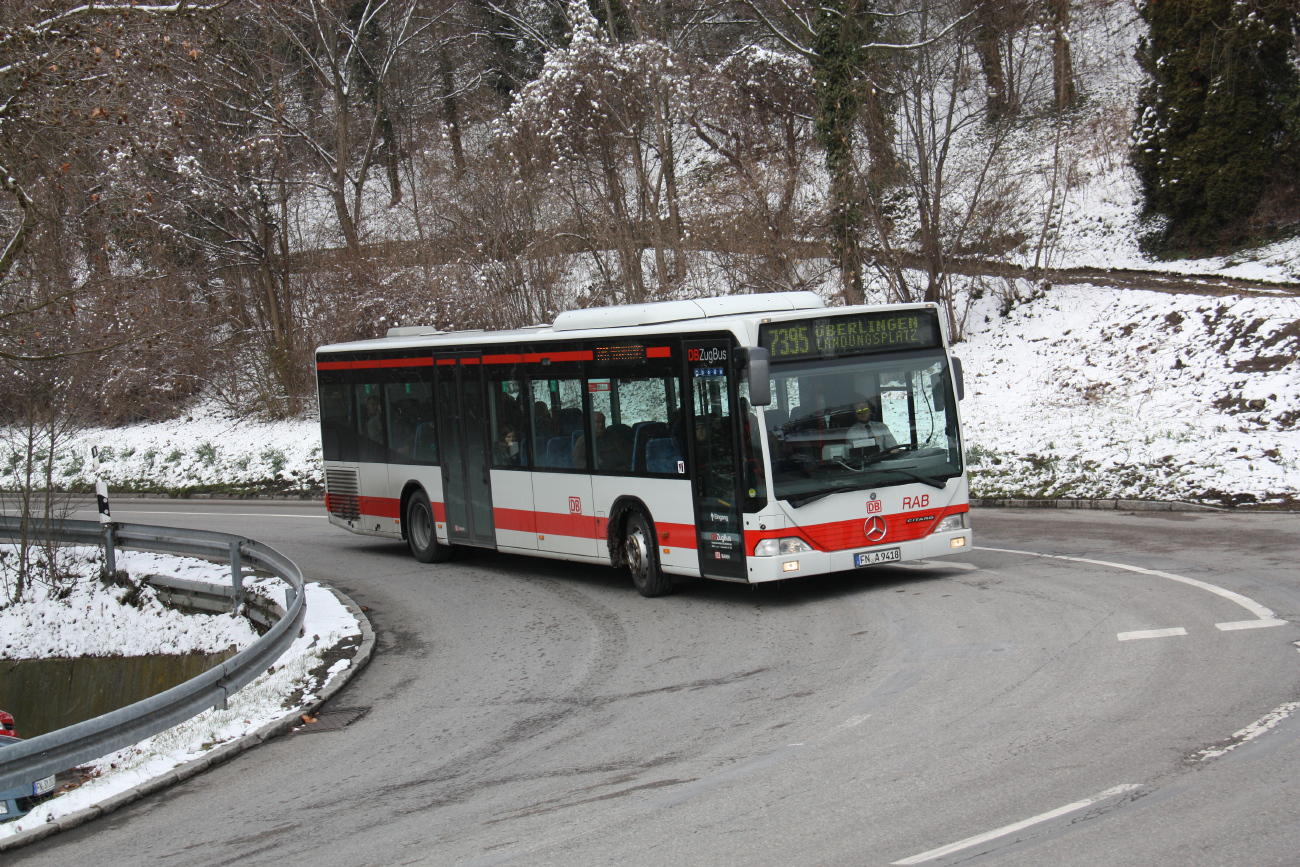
[{"x": 7, "y": 725}]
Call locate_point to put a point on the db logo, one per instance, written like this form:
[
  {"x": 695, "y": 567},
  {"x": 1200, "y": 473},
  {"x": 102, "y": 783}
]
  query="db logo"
[
  {"x": 706, "y": 355},
  {"x": 875, "y": 507},
  {"x": 575, "y": 505}
]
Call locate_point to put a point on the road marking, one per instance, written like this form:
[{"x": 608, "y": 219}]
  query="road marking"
[
  {"x": 1252, "y": 731},
  {"x": 1249, "y": 624},
  {"x": 1016, "y": 826},
  {"x": 1265, "y": 615},
  {"x": 849, "y": 723},
  {"x": 1150, "y": 633},
  {"x": 215, "y": 514}
]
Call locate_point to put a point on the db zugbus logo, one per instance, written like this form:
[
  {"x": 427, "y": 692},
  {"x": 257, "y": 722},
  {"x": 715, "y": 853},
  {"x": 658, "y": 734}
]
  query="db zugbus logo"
[
  {"x": 706, "y": 355},
  {"x": 575, "y": 505}
]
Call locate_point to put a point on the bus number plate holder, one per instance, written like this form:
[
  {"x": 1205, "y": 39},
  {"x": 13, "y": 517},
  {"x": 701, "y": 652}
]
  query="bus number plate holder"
[{"x": 869, "y": 558}]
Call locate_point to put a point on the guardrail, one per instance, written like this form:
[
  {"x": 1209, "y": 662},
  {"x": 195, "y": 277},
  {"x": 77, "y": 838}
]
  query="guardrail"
[{"x": 50, "y": 753}]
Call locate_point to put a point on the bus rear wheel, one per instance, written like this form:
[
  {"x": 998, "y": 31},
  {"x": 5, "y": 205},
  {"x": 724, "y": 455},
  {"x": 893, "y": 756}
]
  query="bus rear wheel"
[
  {"x": 641, "y": 555},
  {"x": 421, "y": 537}
]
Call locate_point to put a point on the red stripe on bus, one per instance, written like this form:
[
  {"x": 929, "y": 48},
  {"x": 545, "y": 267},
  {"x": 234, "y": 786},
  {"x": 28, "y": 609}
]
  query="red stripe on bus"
[
  {"x": 519, "y": 520},
  {"x": 446, "y": 361},
  {"x": 374, "y": 363},
  {"x": 539, "y": 357},
  {"x": 439, "y": 512},
  {"x": 393, "y": 362},
  {"x": 382, "y": 507},
  {"x": 842, "y": 535},
  {"x": 503, "y": 359},
  {"x": 659, "y": 352}
]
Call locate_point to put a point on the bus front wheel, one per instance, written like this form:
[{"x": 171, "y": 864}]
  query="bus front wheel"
[
  {"x": 641, "y": 556},
  {"x": 421, "y": 537}
]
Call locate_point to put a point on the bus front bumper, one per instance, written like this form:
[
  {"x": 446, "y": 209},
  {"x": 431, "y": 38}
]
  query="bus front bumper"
[{"x": 762, "y": 569}]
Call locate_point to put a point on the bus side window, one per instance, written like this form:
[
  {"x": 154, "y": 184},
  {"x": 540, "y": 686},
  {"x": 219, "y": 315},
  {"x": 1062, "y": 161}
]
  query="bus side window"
[
  {"x": 411, "y": 428},
  {"x": 371, "y": 435},
  {"x": 650, "y": 408},
  {"x": 508, "y": 417},
  {"x": 338, "y": 429},
  {"x": 557, "y": 420}
]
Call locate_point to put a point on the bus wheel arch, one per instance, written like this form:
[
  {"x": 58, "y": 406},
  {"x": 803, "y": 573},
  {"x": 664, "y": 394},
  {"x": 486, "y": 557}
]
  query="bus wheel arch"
[
  {"x": 419, "y": 527},
  {"x": 637, "y": 547}
]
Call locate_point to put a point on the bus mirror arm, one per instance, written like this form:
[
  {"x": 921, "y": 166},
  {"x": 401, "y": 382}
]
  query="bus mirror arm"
[
  {"x": 755, "y": 360},
  {"x": 958, "y": 379}
]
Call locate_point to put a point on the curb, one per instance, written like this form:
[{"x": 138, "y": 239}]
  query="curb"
[
  {"x": 1103, "y": 505},
  {"x": 213, "y": 757}
]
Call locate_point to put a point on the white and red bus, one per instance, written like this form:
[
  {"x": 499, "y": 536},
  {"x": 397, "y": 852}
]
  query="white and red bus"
[{"x": 743, "y": 438}]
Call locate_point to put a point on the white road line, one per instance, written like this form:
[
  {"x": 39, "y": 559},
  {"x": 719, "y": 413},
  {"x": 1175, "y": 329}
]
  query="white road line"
[
  {"x": 1249, "y": 624},
  {"x": 1252, "y": 731},
  {"x": 1150, "y": 633},
  {"x": 215, "y": 514},
  {"x": 1265, "y": 615},
  {"x": 1016, "y": 826}
]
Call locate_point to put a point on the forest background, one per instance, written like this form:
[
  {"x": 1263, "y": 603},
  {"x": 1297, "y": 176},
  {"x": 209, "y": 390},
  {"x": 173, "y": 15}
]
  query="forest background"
[{"x": 197, "y": 194}]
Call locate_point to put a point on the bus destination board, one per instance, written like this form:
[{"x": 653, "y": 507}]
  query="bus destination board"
[{"x": 857, "y": 334}]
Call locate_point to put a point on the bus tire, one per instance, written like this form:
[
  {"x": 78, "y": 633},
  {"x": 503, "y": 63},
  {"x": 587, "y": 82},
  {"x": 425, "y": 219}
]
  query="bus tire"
[
  {"x": 421, "y": 537},
  {"x": 641, "y": 556}
]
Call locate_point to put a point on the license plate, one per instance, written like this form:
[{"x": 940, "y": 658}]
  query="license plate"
[
  {"x": 867, "y": 558},
  {"x": 43, "y": 787}
]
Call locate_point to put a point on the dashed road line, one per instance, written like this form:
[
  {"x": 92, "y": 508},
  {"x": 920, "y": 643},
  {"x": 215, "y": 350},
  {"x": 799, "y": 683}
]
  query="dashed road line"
[
  {"x": 1265, "y": 616},
  {"x": 1015, "y": 826},
  {"x": 1150, "y": 633}
]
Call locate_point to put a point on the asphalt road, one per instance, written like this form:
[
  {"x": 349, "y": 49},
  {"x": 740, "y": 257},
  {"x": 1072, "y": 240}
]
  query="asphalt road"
[{"x": 531, "y": 712}]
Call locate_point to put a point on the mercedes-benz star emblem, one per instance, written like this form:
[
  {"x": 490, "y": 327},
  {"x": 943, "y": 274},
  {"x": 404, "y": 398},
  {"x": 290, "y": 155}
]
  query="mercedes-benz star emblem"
[{"x": 875, "y": 529}]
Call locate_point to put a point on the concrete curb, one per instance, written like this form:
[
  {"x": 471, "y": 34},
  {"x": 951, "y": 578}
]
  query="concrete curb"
[
  {"x": 1104, "y": 505},
  {"x": 213, "y": 757}
]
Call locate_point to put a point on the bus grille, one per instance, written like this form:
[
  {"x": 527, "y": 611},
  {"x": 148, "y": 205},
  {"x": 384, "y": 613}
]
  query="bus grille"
[{"x": 342, "y": 491}]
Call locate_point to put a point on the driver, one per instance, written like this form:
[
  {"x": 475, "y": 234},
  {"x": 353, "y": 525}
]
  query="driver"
[{"x": 867, "y": 432}]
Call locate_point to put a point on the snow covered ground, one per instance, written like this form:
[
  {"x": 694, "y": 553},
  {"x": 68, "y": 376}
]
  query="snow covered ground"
[
  {"x": 93, "y": 619},
  {"x": 1092, "y": 392}
]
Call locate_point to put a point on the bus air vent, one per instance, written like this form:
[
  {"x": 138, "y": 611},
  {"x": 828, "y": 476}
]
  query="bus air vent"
[{"x": 341, "y": 497}]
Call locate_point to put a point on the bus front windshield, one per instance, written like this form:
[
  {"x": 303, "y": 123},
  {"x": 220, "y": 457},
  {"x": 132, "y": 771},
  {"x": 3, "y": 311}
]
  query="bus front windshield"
[{"x": 857, "y": 423}]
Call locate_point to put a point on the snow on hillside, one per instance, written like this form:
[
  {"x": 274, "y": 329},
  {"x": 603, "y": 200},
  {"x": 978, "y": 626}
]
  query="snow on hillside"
[
  {"x": 1091, "y": 392},
  {"x": 1083, "y": 391}
]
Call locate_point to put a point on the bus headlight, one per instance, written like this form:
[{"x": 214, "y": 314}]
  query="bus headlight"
[
  {"x": 952, "y": 522},
  {"x": 781, "y": 547}
]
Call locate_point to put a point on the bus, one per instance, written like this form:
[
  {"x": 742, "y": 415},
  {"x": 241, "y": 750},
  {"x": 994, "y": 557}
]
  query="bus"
[{"x": 745, "y": 438}]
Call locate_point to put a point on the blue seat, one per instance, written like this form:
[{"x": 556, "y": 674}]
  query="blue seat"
[
  {"x": 642, "y": 433},
  {"x": 663, "y": 455},
  {"x": 559, "y": 452}
]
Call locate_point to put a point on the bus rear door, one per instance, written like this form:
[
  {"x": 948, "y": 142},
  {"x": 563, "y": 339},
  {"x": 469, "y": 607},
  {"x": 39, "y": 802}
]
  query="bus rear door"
[
  {"x": 712, "y": 446},
  {"x": 463, "y": 427}
]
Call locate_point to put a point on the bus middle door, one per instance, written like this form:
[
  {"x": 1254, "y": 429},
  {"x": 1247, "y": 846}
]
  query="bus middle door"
[
  {"x": 712, "y": 445},
  {"x": 463, "y": 423}
]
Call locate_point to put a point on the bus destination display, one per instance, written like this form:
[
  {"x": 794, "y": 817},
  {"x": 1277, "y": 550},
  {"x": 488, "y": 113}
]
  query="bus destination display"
[
  {"x": 830, "y": 337},
  {"x": 619, "y": 353}
]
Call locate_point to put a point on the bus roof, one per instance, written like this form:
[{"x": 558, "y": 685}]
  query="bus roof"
[{"x": 659, "y": 317}]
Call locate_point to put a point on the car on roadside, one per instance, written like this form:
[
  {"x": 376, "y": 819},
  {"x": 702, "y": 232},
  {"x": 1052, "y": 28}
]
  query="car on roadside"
[
  {"x": 7, "y": 725},
  {"x": 19, "y": 800}
]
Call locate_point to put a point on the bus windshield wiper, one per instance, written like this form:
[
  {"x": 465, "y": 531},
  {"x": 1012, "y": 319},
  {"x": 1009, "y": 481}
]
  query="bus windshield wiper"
[{"x": 798, "y": 502}]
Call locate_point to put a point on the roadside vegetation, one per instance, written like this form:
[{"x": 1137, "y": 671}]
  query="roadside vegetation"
[{"x": 197, "y": 194}]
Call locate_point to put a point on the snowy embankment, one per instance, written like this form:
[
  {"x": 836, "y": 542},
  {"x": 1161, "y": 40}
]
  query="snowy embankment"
[
  {"x": 93, "y": 619},
  {"x": 1082, "y": 391},
  {"x": 203, "y": 451},
  {"x": 1102, "y": 393}
]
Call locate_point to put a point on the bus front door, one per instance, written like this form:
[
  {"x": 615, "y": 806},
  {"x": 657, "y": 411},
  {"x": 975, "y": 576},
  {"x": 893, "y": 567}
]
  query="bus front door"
[
  {"x": 463, "y": 428},
  {"x": 712, "y": 445}
]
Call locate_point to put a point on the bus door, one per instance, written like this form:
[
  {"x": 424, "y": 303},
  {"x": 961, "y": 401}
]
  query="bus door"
[
  {"x": 711, "y": 439},
  {"x": 463, "y": 428}
]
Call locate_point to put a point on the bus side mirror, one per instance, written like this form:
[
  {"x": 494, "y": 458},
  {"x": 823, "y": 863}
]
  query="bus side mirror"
[
  {"x": 755, "y": 360},
  {"x": 958, "y": 380}
]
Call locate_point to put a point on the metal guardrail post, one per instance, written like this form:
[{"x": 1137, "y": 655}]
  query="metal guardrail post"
[
  {"x": 236, "y": 576},
  {"x": 68, "y": 747},
  {"x": 110, "y": 550}
]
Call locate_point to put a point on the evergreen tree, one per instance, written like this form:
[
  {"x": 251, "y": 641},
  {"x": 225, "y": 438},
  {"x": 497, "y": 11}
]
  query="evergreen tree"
[{"x": 1213, "y": 117}]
